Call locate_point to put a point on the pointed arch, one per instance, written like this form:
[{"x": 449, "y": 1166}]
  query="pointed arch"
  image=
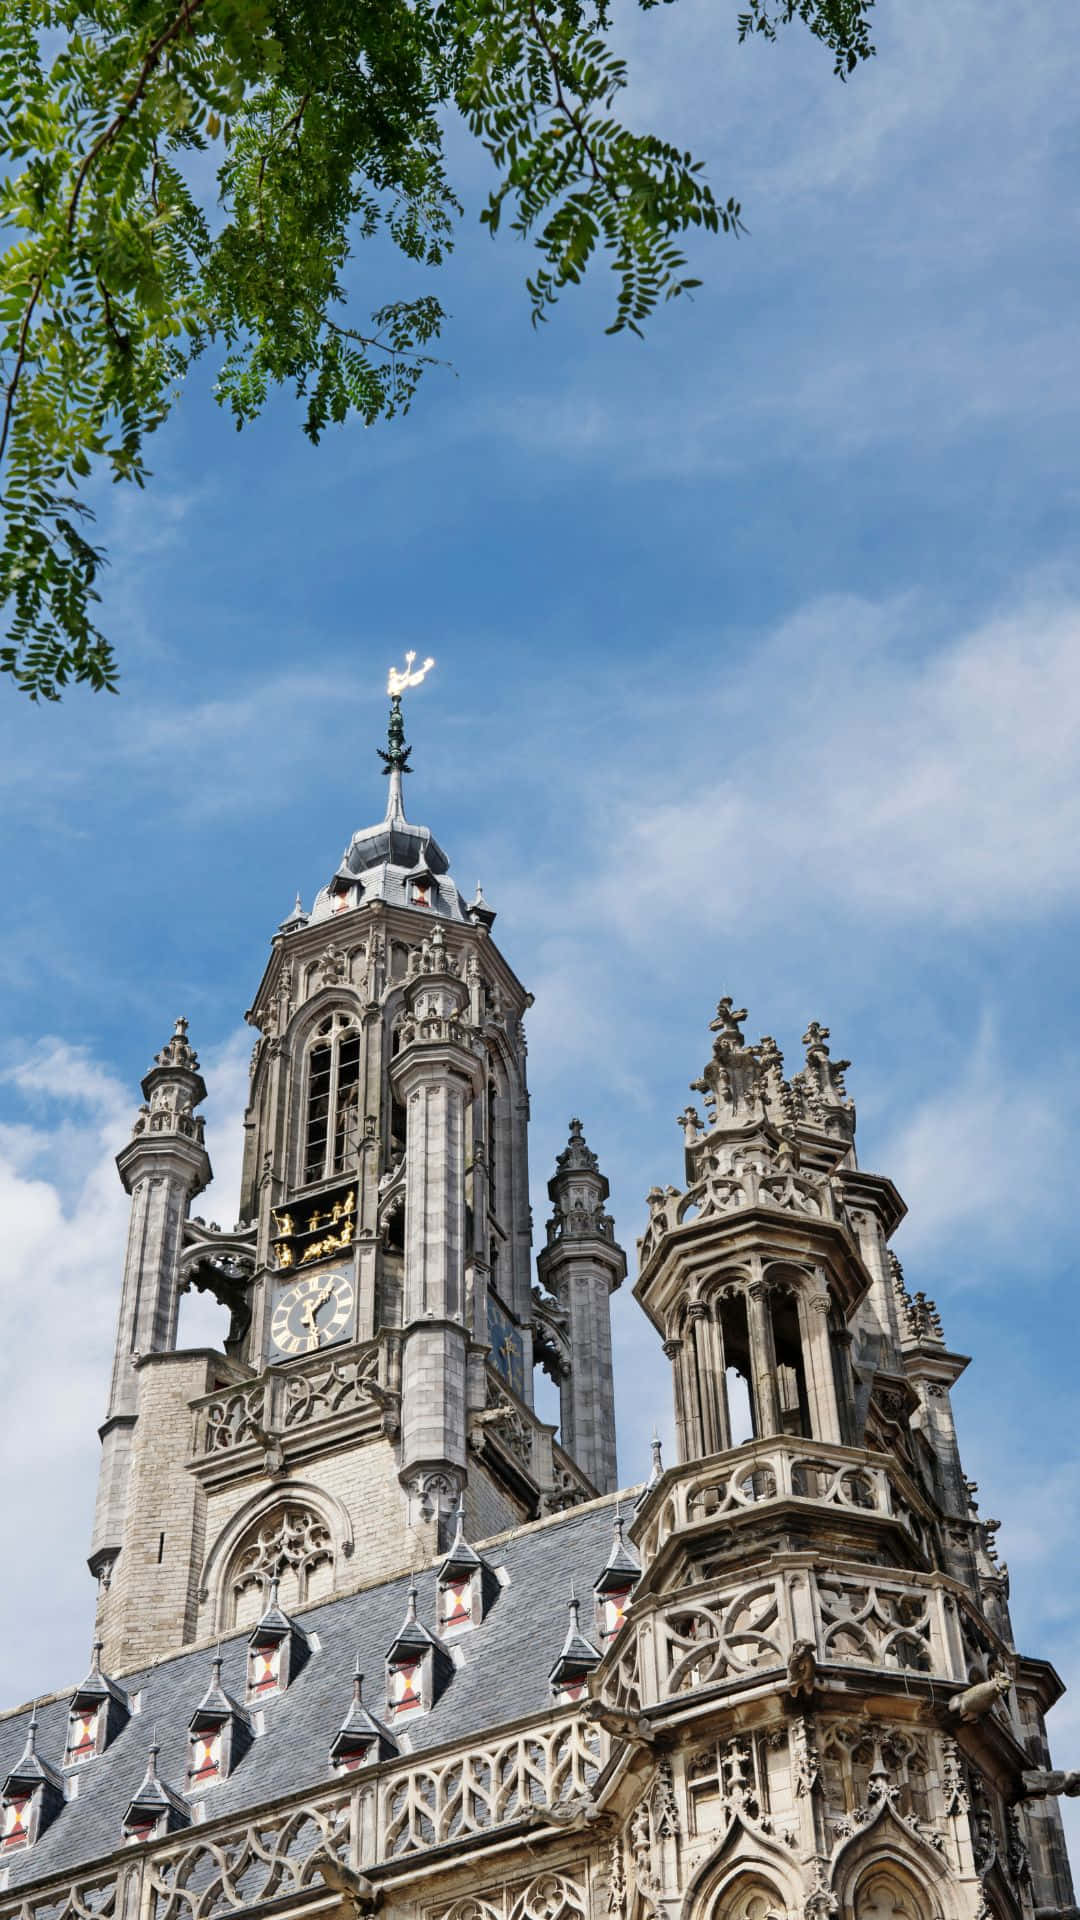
[
  {"x": 303, "y": 1527},
  {"x": 889, "y": 1852},
  {"x": 748, "y": 1876}
]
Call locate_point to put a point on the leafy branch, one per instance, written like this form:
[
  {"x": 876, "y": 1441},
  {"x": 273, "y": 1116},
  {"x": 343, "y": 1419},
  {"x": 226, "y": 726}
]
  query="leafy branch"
[{"x": 324, "y": 122}]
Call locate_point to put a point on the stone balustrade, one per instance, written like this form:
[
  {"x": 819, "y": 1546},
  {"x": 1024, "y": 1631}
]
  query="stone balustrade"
[
  {"x": 285, "y": 1399},
  {"x": 784, "y": 1467},
  {"x": 363, "y": 1821}
]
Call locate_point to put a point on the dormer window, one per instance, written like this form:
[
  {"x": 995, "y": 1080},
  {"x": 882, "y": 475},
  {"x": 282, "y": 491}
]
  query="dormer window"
[
  {"x": 97, "y": 1712},
  {"x": 33, "y": 1794},
  {"x": 418, "y": 1668},
  {"x": 82, "y": 1736},
  {"x": 16, "y": 1822},
  {"x": 421, "y": 894},
  {"x": 155, "y": 1809},
  {"x": 361, "y": 1740},
  {"x": 205, "y": 1763},
  {"x": 614, "y": 1590},
  {"x": 466, "y": 1586},
  {"x": 219, "y": 1733},
  {"x": 277, "y": 1649},
  {"x": 570, "y": 1674},
  {"x": 333, "y": 1093}
]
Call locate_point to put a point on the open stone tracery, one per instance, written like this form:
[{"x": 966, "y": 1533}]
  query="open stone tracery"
[{"x": 461, "y": 1676}]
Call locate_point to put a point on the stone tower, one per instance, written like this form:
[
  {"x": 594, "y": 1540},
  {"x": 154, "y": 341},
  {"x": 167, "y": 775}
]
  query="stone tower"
[
  {"x": 379, "y": 1275},
  {"x": 371, "y": 1641}
]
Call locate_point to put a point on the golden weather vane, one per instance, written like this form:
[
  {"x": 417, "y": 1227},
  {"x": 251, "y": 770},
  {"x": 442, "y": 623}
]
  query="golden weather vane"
[{"x": 397, "y": 682}]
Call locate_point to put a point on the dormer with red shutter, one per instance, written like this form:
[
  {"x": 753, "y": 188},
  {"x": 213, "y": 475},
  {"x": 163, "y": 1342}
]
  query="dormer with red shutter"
[
  {"x": 98, "y": 1710},
  {"x": 467, "y": 1587},
  {"x": 155, "y": 1809},
  {"x": 32, "y": 1797},
  {"x": 219, "y": 1734},
  {"x": 570, "y": 1674},
  {"x": 614, "y": 1589},
  {"x": 361, "y": 1740},
  {"x": 418, "y": 1669},
  {"x": 277, "y": 1649}
]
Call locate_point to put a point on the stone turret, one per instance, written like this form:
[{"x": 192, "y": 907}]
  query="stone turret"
[
  {"x": 164, "y": 1165},
  {"x": 581, "y": 1265},
  {"x": 436, "y": 1074}
]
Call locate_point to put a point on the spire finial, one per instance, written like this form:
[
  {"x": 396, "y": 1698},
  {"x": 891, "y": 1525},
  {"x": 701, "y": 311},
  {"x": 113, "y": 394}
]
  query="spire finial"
[
  {"x": 413, "y": 1596},
  {"x": 657, "y": 1461},
  {"x": 574, "y": 1607},
  {"x": 275, "y": 1588},
  {"x": 216, "y": 1666},
  {"x": 397, "y": 682},
  {"x": 95, "y": 1657},
  {"x": 32, "y": 1731},
  {"x": 395, "y": 759}
]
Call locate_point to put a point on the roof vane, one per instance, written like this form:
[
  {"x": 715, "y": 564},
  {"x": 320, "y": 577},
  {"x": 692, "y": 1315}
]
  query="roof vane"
[
  {"x": 395, "y": 759},
  {"x": 398, "y": 682}
]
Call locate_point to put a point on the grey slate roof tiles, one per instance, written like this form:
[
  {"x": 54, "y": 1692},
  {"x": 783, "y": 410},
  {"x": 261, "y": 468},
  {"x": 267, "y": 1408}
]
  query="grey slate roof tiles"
[{"x": 507, "y": 1661}]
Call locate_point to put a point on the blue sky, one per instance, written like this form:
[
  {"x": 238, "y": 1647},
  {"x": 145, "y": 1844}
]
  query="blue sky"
[{"x": 758, "y": 672}]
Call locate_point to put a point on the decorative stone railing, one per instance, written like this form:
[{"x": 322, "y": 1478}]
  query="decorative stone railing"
[
  {"x": 780, "y": 1189},
  {"x": 284, "y": 1400},
  {"x": 403, "y": 1809},
  {"x": 782, "y": 1468},
  {"x": 731, "y": 1634}
]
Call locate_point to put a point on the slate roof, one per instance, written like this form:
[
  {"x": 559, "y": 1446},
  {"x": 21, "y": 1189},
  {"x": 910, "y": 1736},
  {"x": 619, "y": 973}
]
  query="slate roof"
[{"x": 507, "y": 1660}]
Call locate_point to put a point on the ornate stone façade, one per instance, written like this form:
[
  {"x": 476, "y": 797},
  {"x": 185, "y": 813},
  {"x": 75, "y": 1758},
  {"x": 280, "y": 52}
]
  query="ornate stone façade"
[{"x": 336, "y": 1669}]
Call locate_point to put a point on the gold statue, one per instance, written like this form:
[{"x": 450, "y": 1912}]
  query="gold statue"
[
  {"x": 350, "y": 1202},
  {"x": 398, "y": 682},
  {"x": 285, "y": 1257},
  {"x": 284, "y": 1222}
]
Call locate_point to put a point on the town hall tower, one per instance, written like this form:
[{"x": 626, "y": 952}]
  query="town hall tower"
[{"x": 373, "y": 1636}]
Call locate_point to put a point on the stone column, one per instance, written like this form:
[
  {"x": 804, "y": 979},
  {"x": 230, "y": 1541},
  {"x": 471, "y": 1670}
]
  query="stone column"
[
  {"x": 437, "y": 1071},
  {"x": 762, "y": 1361},
  {"x": 818, "y": 1367}
]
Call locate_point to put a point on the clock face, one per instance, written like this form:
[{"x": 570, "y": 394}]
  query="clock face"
[{"x": 313, "y": 1312}]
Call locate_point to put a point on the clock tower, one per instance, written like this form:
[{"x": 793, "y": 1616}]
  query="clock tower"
[{"x": 379, "y": 1363}]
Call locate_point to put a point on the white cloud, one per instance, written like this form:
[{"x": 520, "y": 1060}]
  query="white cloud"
[
  {"x": 844, "y": 768},
  {"x": 65, "y": 1218},
  {"x": 982, "y": 1140}
]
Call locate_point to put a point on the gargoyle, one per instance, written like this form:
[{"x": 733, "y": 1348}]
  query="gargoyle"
[
  {"x": 976, "y": 1701},
  {"x": 801, "y": 1670},
  {"x": 363, "y": 1896},
  {"x": 631, "y": 1727}
]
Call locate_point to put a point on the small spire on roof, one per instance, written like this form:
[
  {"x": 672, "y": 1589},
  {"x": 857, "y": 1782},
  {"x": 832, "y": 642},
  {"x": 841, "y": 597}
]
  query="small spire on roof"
[
  {"x": 297, "y": 918},
  {"x": 479, "y": 909}
]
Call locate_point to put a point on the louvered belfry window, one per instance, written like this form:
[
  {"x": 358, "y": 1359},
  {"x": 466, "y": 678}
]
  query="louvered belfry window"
[{"x": 333, "y": 1096}]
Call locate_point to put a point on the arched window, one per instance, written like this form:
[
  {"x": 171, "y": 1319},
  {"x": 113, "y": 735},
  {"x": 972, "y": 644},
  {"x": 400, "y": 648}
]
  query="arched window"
[
  {"x": 882, "y": 1894},
  {"x": 749, "y": 1899},
  {"x": 292, "y": 1545},
  {"x": 333, "y": 1096}
]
